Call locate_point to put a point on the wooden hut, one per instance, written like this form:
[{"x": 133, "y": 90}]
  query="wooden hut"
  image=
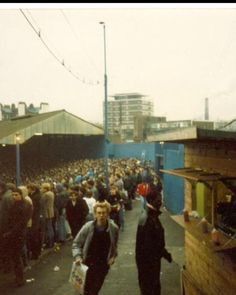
[{"x": 210, "y": 191}]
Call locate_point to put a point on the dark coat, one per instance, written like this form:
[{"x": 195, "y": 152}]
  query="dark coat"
[
  {"x": 36, "y": 200},
  {"x": 76, "y": 215},
  {"x": 102, "y": 192},
  {"x": 115, "y": 202},
  {"x": 150, "y": 240},
  {"x": 61, "y": 201},
  {"x": 19, "y": 215}
]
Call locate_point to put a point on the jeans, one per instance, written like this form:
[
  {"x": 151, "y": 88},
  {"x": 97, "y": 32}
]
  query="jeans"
[
  {"x": 95, "y": 278},
  {"x": 49, "y": 233},
  {"x": 61, "y": 228},
  {"x": 67, "y": 226}
]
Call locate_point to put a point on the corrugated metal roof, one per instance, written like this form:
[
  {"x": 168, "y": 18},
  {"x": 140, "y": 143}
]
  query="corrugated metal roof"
[
  {"x": 193, "y": 134},
  {"x": 57, "y": 122}
]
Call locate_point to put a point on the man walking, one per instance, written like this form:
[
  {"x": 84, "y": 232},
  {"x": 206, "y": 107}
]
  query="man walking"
[
  {"x": 96, "y": 246},
  {"x": 150, "y": 246}
]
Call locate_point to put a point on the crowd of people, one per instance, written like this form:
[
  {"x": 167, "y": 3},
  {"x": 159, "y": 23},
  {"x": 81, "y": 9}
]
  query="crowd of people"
[{"x": 51, "y": 207}]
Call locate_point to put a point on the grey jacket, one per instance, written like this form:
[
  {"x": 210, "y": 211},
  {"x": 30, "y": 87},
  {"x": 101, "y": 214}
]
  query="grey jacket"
[{"x": 83, "y": 239}]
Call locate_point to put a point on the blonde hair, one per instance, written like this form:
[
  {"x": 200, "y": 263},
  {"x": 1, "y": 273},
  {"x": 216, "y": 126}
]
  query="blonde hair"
[
  {"x": 46, "y": 186},
  {"x": 104, "y": 204},
  {"x": 24, "y": 191}
]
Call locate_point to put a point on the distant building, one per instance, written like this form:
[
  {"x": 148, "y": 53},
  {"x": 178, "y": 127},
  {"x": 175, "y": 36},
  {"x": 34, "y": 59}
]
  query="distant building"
[
  {"x": 11, "y": 111},
  {"x": 131, "y": 118},
  {"x": 225, "y": 125},
  {"x": 149, "y": 125},
  {"x": 122, "y": 110},
  {"x": 145, "y": 125}
]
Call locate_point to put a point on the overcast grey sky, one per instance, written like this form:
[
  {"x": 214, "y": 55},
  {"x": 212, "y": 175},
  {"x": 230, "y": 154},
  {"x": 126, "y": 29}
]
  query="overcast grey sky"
[{"x": 177, "y": 56}]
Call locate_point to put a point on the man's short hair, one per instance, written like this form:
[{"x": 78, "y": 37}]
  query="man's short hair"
[
  {"x": 104, "y": 204},
  {"x": 46, "y": 185},
  {"x": 18, "y": 190},
  {"x": 91, "y": 182}
]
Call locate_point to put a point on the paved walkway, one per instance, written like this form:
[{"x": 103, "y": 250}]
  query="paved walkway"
[{"x": 122, "y": 279}]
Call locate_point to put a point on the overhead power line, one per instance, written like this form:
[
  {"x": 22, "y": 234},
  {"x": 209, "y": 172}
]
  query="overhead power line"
[
  {"x": 38, "y": 32},
  {"x": 79, "y": 40}
]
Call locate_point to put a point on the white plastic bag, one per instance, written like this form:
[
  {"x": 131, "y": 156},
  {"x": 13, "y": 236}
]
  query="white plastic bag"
[{"x": 78, "y": 276}]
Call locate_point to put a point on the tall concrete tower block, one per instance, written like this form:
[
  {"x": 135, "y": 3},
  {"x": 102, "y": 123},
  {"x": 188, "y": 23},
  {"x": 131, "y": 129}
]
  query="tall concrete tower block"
[{"x": 206, "y": 109}]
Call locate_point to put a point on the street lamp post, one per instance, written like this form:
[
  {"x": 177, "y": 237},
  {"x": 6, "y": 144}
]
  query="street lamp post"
[
  {"x": 105, "y": 107},
  {"x": 18, "y": 181}
]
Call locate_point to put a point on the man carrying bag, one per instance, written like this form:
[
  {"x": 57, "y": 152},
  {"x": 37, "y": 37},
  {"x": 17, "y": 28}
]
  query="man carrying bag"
[
  {"x": 96, "y": 246},
  {"x": 78, "y": 277}
]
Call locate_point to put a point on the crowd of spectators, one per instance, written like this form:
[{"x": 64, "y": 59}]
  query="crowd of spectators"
[{"x": 52, "y": 205}]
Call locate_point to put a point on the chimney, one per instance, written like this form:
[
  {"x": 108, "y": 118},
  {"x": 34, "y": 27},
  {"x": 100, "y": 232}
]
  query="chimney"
[
  {"x": 44, "y": 107},
  {"x": 206, "y": 109},
  {"x": 0, "y": 112},
  {"x": 21, "y": 108}
]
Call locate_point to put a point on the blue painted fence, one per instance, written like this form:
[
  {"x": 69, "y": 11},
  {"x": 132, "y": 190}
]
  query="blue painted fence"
[{"x": 173, "y": 185}]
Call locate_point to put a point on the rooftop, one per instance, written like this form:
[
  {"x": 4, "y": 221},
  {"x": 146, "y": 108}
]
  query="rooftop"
[
  {"x": 127, "y": 95},
  {"x": 56, "y": 122},
  {"x": 193, "y": 134}
]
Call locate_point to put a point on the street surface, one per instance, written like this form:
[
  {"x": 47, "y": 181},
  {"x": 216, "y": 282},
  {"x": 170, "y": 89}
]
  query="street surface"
[{"x": 122, "y": 278}]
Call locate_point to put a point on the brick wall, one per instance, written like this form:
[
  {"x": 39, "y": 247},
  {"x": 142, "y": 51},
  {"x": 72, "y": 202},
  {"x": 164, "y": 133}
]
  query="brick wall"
[{"x": 213, "y": 273}]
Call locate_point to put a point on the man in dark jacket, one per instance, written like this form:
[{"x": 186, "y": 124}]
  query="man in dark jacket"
[
  {"x": 76, "y": 210},
  {"x": 35, "y": 234},
  {"x": 115, "y": 201},
  {"x": 128, "y": 186},
  {"x": 15, "y": 235},
  {"x": 6, "y": 202},
  {"x": 150, "y": 246}
]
